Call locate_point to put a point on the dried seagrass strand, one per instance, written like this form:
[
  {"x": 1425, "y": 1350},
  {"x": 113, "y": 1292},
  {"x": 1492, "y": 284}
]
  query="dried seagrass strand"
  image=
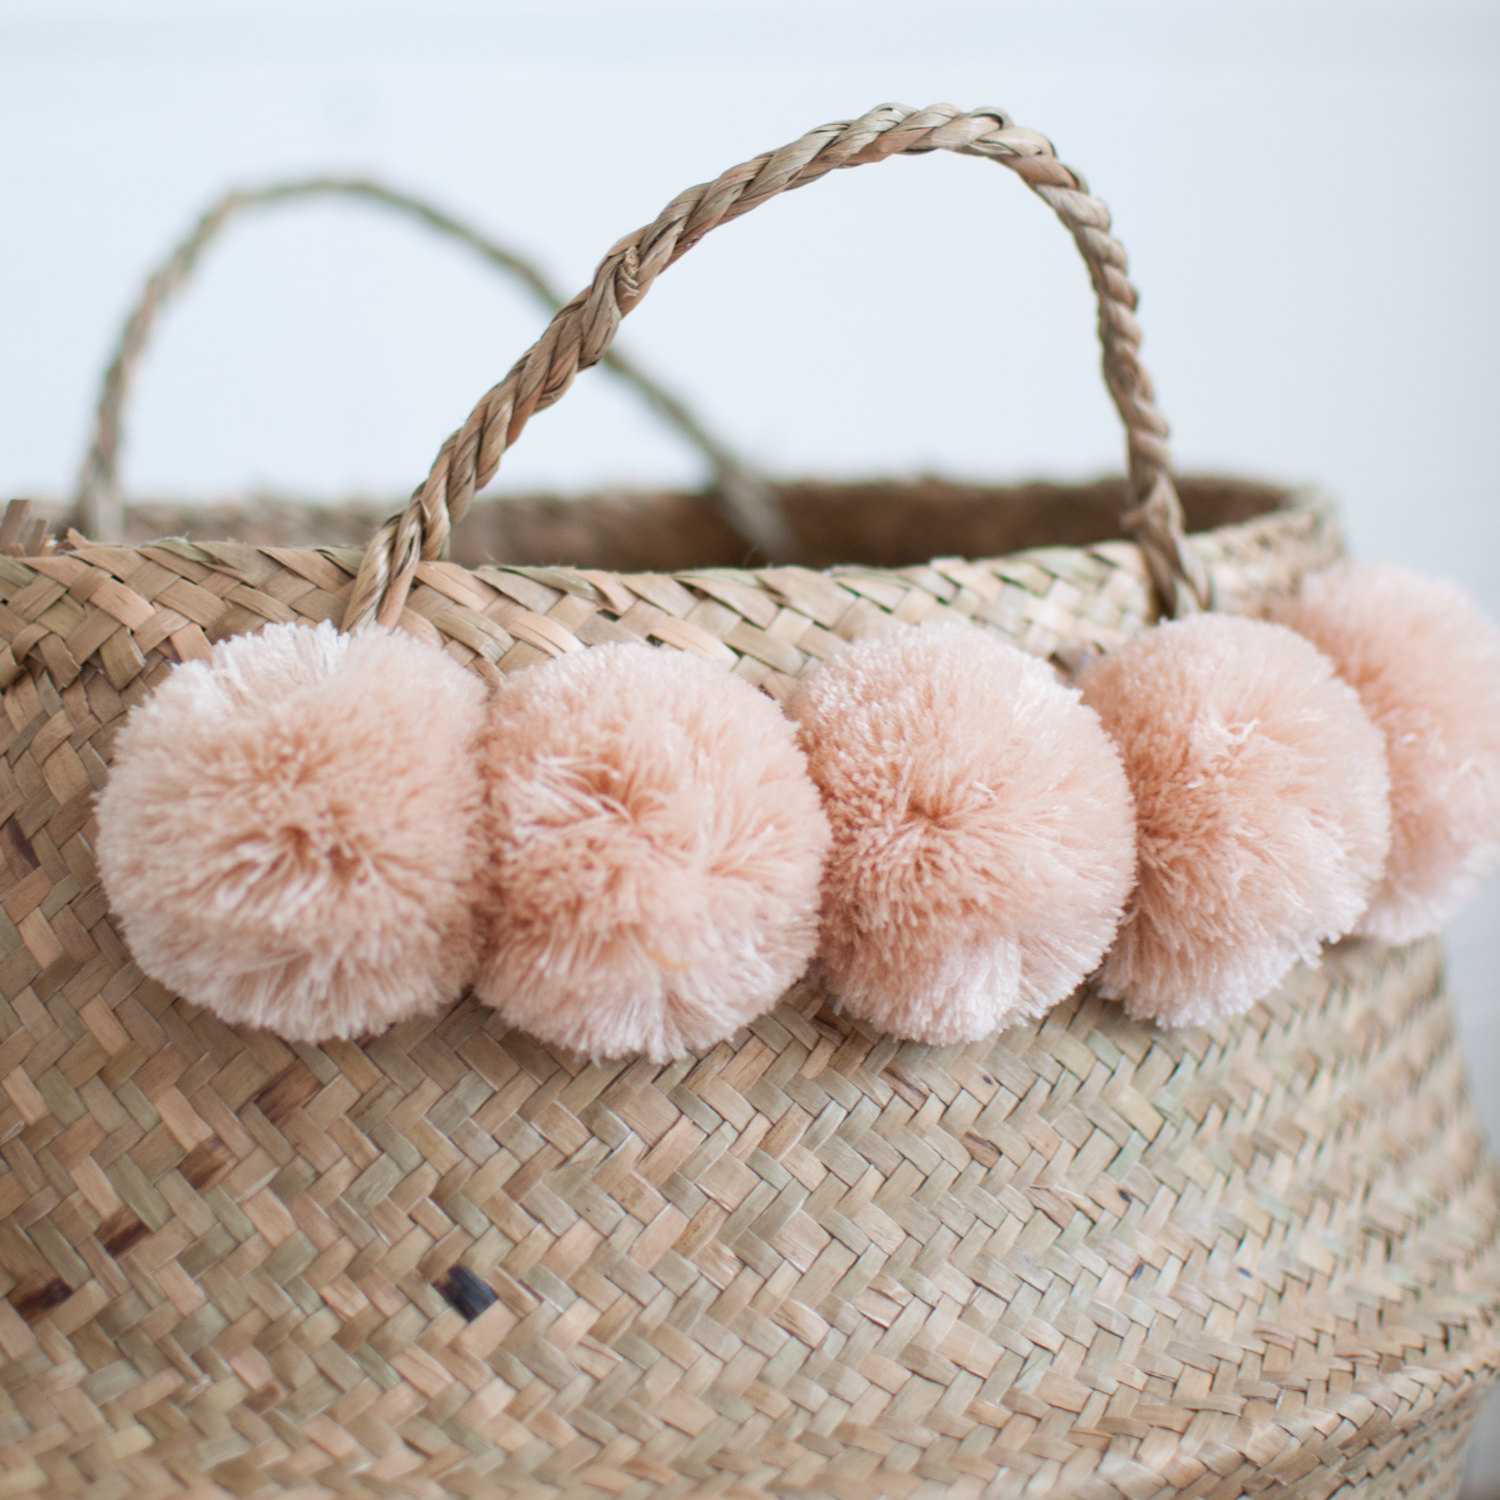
[
  {"x": 581, "y": 332},
  {"x": 98, "y": 506},
  {"x": 1082, "y": 1259}
]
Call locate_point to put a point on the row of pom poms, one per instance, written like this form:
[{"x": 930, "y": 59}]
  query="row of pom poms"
[{"x": 628, "y": 850}]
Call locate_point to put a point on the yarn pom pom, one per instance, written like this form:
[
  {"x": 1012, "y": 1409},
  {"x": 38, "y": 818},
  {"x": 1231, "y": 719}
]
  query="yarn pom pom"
[
  {"x": 656, "y": 853},
  {"x": 1425, "y": 661},
  {"x": 287, "y": 834},
  {"x": 1260, "y": 790},
  {"x": 983, "y": 839}
]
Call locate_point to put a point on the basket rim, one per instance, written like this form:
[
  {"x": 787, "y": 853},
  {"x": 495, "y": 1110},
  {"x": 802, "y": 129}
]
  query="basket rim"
[{"x": 1294, "y": 498}]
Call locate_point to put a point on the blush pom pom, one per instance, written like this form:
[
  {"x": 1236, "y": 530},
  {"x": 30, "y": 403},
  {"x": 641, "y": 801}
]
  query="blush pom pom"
[
  {"x": 657, "y": 847},
  {"x": 288, "y": 831},
  {"x": 1260, "y": 789},
  {"x": 983, "y": 839},
  {"x": 1425, "y": 661}
]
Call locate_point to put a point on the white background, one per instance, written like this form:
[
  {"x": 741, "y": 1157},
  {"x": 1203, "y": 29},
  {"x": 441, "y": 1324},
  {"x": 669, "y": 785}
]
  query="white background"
[{"x": 1307, "y": 191}]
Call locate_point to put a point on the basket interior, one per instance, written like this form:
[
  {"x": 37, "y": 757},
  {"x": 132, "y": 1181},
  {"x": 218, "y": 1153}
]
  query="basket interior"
[{"x": 876, "y": 523}]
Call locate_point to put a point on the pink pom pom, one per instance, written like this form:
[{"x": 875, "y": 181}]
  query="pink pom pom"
[
  {"x": 657, "y": 849},
  {"x": 983, "y": 839},
  {"x": 1260, "y": 790},
  {"x": 288, "y": 831},
  {"x": 1425, "y": 661}
]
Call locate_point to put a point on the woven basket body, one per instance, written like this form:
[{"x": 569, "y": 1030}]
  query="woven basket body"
[{"x": 1085, "y": 1258}]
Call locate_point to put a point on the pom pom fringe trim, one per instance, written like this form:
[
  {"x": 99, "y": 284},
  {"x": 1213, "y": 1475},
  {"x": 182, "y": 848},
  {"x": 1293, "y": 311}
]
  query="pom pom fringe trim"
[{"x": 268, "y": 736}]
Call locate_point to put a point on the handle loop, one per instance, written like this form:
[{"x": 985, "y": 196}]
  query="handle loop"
[
  {"x": 98, "y": 505},
  {"x": 582, "y": 331}
]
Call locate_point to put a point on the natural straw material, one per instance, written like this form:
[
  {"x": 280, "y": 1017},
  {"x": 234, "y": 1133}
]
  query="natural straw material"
[
  {"x": 99, "y": 507},
  {"x": 579, "y": 335},
  {"x": 1085, "y": 1258}
]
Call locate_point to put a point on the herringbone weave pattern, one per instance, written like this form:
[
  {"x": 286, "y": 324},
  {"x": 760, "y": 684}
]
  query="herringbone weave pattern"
[{"x": 1085, "y": 1259}]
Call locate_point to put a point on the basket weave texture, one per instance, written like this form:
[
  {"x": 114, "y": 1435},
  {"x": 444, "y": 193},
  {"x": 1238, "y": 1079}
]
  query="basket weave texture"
[{"x": 1085, "y": 1258}]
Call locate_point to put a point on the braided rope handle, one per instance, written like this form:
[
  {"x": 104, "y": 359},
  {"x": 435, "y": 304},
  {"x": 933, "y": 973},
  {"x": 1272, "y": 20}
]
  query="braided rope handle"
[
  {"x": 99, "y": 509},
  {"x": 581, "y": 333}
]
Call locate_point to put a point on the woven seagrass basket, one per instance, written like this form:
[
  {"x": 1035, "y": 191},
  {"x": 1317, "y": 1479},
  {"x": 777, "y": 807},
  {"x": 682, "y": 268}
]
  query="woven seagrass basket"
[{"x": 1084, "y": 1258}]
